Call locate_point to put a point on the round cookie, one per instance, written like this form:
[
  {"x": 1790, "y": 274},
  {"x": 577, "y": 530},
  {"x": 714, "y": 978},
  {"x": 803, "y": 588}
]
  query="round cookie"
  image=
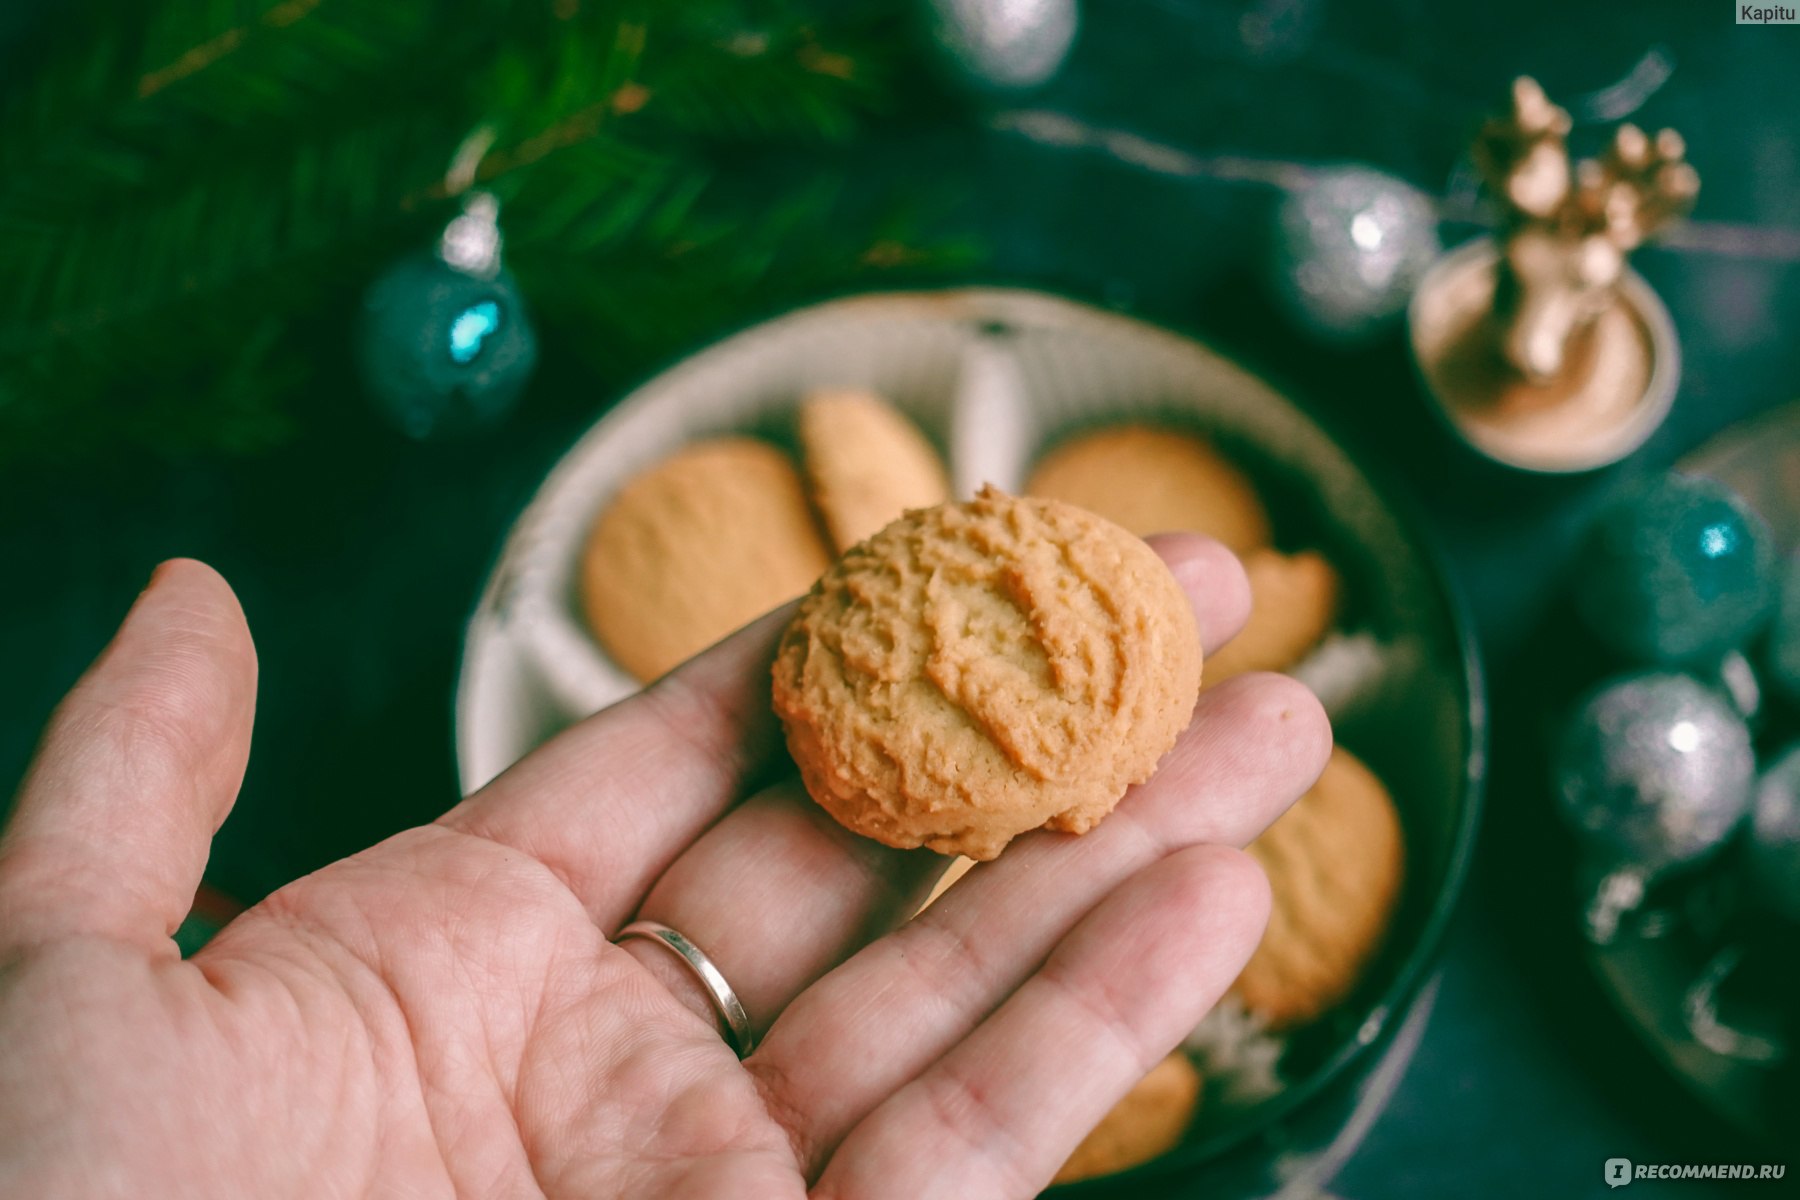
[
  {"x": 866, "y": 464},
  {"x": 1147, "y": 1122},
  {"x": 1335, "y": 862},
  {"x": 977, "y": 670},
  {"x": 1154, "y": 481},
  {"x": 1293, "y": 601},
  {"x": 694, "y": 547}
]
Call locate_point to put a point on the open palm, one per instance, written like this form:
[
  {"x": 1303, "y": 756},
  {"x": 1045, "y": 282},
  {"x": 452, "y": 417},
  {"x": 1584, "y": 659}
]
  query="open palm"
[{"x": 446, "y": 1015}]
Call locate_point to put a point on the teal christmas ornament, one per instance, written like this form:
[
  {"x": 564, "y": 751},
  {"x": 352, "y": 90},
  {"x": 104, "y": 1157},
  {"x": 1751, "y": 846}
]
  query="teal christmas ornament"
[
  {"x": 445, "y": 346},
  {"x": 1675, "y": 570},
  {"x": 1784, "y": 638},
  {"x": 1655, "y": 770}
]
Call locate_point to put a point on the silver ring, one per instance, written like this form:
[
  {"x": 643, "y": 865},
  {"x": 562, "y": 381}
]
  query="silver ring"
[{"x": 739, "y": 1035}]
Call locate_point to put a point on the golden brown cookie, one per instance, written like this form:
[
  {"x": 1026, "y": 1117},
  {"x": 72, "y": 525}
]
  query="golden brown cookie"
[
  {"x": 1293, "y": 601},
  {"x": 958, "y": 867},
  {"x": 1154, "y": 481},
  {"x": 1335, "y": 862},
  {"x": 690, "y": 549},
  {"x": 1148, "y": 1122},
  {"x": 866, "y": 464},
  {"x": 977, "y": 670}
]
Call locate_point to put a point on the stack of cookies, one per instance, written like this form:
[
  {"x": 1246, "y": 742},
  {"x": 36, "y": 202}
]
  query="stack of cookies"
[{"x": 728, "y": 528}]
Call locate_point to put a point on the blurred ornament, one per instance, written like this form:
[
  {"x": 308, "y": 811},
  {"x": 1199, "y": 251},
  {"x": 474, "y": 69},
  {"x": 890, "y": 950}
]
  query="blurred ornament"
[
  {"x": 1736, "y": 678},
  {"x": 1655, "y": 769},
  {"x": 1774, "y": 849},
  {"x": 1277, "y": 31},
  {"x": 1784, "y": 638},
  {"x": 1701, "y": 1012},
  {"x": 444, "y": 344},
  {"x": 1003, "y": 45},
  {"x": 1675, "y": 569},
  {"x": 1351, "y": 244}
]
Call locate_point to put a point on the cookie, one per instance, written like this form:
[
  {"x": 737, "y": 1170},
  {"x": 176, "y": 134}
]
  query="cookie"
[
  {"x": 694, "y": 547},
  {"x": 1334, "y": 861},
  {"x": 865, "y": 464},
  {"x": 958, "y": 867},
  {"x": 1148, "y": 1122},
  {"x": 1293, "y": 602},
  {"x": 1154, "y": 481},
  {"x": 976, "y": 670}
]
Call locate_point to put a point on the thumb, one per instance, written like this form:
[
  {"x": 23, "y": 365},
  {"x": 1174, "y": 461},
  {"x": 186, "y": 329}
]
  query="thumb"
[{"x": 136, "y": 771}]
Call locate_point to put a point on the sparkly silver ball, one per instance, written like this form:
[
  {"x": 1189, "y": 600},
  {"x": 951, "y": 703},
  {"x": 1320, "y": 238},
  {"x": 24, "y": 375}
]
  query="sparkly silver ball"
[
  {"x": 1003, "y": 45},
  {"x": 1655, "y": 769},
  {"x": 1775, "y": 836},
  {"x": 1350, "y": 248}
]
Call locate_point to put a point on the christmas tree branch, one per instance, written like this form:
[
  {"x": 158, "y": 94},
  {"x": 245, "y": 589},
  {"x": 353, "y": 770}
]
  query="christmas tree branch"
[{"x": 195, "y": 183}]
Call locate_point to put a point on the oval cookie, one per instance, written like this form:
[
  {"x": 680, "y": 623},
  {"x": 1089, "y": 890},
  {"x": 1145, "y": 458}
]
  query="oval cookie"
[
  {"x": 694, "y": 547},
  {"x": 977, "y": 670},
  {"x": 1148, "y": 1122},
  {"x": 1154, "y": 481},
  {"x": 865, "y": 463},
  {"x": 1293, "y": 602},
  {"x": 1334, "y": 861}
]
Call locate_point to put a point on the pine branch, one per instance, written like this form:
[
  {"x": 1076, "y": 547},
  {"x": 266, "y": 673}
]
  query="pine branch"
[
  {"x": 175, "y": 233},
  {"x": 140, "y": 99}
]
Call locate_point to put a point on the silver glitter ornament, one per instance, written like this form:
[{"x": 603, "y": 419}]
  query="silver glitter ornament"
[
  {"x": 1655, "y": 770},
  {"x": 1003, "y": 45},
  {"x": 1774, "y": 850},
  {"x": 1350, "y": 247}
]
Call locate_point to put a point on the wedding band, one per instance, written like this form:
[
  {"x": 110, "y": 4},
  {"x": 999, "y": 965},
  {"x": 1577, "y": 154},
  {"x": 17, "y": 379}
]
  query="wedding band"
[{"x": 739, "y": 1035}]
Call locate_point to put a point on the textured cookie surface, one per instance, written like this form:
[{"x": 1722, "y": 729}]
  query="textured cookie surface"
[
  {"x": 1148, "y": 1122},
  {"x": 1154, "y": 481},
  {"x": 977, "y": 670},
  {"x": 690, "y": 549},
  {"x": 865, "y": 463},
  {"x": 1335, "y": 861},
  {"x": 1293, "y": 601}
]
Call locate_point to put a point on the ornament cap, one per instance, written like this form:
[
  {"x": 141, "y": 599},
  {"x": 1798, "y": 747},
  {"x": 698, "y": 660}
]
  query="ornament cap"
[{"x": 472, "y": 242}]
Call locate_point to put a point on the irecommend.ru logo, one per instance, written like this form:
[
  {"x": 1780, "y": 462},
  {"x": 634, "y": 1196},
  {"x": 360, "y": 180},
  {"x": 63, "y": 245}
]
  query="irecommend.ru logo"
[{"x": 1620, "y": 1171}]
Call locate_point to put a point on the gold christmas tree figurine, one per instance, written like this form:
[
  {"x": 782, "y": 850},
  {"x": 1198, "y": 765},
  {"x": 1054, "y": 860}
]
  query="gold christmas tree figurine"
[
  {"x": 1543, "y": 348},
  {"x": 1566, "y": 230}
]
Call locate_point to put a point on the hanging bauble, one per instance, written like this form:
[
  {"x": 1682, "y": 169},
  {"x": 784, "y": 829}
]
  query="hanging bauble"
[
  {"x": 1784, "y": 637},
  {"x": 1774, "y": 847},
  {"x": 1350, "y": 245},
  {"x": 1002, "y": 45},
  {"x": 1675, "y": 569},
  {"x": 1655, "y": 770},
  {"x": 444, "y": 344}
]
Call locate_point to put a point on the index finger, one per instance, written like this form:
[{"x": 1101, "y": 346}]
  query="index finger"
[{"x": 608, "y": 803}]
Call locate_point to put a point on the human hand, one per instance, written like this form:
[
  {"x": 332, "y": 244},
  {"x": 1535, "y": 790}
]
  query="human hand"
[{"x": 446, "y": 1014}]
